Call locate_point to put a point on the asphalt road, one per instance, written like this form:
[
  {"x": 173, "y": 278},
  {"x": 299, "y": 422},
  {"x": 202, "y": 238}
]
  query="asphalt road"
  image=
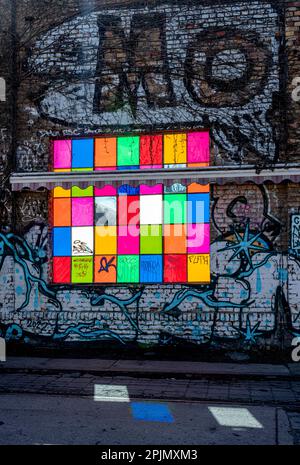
[{"x": 110, "y": 417}]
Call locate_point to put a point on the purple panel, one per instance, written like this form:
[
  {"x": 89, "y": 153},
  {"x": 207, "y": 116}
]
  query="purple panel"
[
  {"x": 62, "y": 154},
  {"x": 82, "y": 211},
  {"x": 198, "y": 240}
]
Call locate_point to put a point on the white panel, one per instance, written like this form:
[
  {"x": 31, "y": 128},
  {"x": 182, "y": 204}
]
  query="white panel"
[
  {"x": 82, "y": 241},
  {"x": 151, "y": 209}
]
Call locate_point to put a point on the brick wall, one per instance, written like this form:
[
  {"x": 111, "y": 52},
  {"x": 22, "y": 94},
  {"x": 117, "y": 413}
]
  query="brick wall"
[{"x": 224, "y": 66}]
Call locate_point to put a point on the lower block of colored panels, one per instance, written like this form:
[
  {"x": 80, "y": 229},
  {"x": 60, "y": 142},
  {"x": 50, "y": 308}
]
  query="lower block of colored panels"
[
  {"x": 61, "y": 270},
  {"x": 128, "y": 267},
  {"x": 105, "y": 269},
  {"x": 199, "y": 268},
  {"x": 151, "y": 268},
  {"x": 82, "y": 269}
]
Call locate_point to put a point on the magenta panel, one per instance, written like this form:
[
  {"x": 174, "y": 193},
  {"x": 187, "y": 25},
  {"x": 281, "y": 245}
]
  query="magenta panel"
[
  {"x": 198, "y": 147},
  {"x": 83, "y": 211},
  {"x": 198, "y": 238},
  {"x": 151, "y": 190},
  {"x": 128, "y": 240},
  {"x": 62, "y": 154},
  {"x": 107, "y": 190}
]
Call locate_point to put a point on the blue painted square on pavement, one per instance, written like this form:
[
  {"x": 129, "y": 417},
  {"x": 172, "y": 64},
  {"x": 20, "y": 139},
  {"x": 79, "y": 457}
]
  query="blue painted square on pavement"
[{"x": 151, "y": 412}]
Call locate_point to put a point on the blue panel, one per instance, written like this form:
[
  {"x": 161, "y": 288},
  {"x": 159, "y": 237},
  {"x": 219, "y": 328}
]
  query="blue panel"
[
  {"x": 150, "y": 268},
  {"x": 151, "y": 412},
  {"x": 198, "y": 208},
  {"x": 61, "y": 242},
  {"x": 83, "y": 153},
  {"x": 128, "y": 190}
]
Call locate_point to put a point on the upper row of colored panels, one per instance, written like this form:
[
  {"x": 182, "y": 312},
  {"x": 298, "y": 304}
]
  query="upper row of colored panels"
[{"x": 132, "y": 152}]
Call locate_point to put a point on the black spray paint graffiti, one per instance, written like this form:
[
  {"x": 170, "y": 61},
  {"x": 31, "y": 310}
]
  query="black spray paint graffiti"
[
  {"x": 295, "y": 235},
  {"x": 124, "y": 64},
  {"x": 138, "y": 68}
]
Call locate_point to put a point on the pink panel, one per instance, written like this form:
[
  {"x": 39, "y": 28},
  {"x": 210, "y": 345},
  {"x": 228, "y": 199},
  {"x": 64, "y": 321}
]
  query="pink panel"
[
  {"x": 107, "y": 190},
  {"x": 128, "y": 240},
  {"x": 62, "y": 154},
  {"x": 198, "y": 147},
  {"x": 151, "y": 167},
  {"x": 198, "y": 239},
  {"x": 83, "y": 211},
  {"x": 111, "y": 168},
  {"x": 151, "y": 190}
]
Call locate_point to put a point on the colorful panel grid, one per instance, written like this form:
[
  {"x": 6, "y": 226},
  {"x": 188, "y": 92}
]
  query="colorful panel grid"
[
  {"x": 131, "y": 235},
  {"x": 155, "y": 151}
]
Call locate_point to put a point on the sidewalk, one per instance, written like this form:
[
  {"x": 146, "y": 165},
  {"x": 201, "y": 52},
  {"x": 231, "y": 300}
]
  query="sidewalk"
[{"x": 150, "y": 368}]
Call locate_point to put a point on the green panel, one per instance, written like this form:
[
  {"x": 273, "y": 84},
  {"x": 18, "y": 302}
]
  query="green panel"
[
  {"x": 128, "y": 151},
  {"x": 82, "y": 169},
  {"x": 151, "y": 239},
  {"x": 128, "y": 269},
  {"x": 77, "y": 192},
  {"x": 82, "y": 269},
  {"x": 175, "y": 208}
]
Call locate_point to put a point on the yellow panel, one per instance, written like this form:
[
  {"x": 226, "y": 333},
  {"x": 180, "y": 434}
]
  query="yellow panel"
[
  {"x": 199, "y": 268},
  {"x": 105, "y": 240},
  {"x": 61, "y": 170},
  {"x": 174, "y": 149},
  {"x": 60, "y": 192}
]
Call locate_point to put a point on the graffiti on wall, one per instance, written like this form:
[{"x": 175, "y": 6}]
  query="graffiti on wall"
[
  {"x": 248, "y": 301},
  {"x": 295, "y": 234},
  {"x": 177, "y": 64}
]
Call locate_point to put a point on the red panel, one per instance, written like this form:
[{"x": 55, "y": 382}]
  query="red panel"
[
  {"x": 61, "y": 269},
  {"x": 151, "y": 150},
  {"x": 175, "y": 269},
  {"x": 128, "y": 209}
]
